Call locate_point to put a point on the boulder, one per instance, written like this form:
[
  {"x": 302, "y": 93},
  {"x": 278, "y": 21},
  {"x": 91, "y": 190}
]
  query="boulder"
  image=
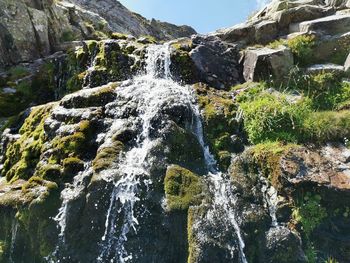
[
  {"x": 331, "y": 48},
  {"x": 216, "y": 61},
  {"x": 298, "y": 14},
  {"x": 329, "y": 25},
  {"x": 265, "y": 32},
  {"x": 260, "y": 64}
]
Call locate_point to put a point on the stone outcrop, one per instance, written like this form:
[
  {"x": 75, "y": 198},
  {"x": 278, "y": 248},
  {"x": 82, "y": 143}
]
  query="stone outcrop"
[
  {"x": 34, "y": 29},
  {"x": 260, "y": 64}
]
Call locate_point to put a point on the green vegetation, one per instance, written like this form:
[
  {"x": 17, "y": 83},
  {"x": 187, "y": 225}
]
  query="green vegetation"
[
  {"x": 67, "y": 36},
  {"x": 301, "y": 47},
  {"x": 330, "y": 260},
  {"x": 267, "y": 157},
  {"x": 219, "y": 112},
  {"x": 309, "y": 212},
  {"x": 18, "y": 72},
  {"x": 37, "y": 89},
  {"x": 182, "y": 188},
  {"x": 274, "y": 117},
  {"x": 119, "y": 36},
  {"x": 311, "y": 108},
  {"x": 23, "y": 155},
  {"x": 107, "y": 156}
]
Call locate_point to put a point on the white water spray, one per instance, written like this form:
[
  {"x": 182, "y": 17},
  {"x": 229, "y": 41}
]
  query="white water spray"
[{"x": 149, "y": 91}]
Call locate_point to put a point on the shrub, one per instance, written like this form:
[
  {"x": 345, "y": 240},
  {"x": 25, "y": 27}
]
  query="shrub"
[{"x": 302, "y": 47}]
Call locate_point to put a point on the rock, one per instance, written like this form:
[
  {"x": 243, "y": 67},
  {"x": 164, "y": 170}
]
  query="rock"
[
  {"x": 335, "y": 24},
  {"x": 260, "y": 64},
  {"x": 282, "y": 245},
  {"x": 325, "y": 68},
  {"x": 215, "y": 61},
  {"x": 297, "y": 14},
  {"x": 265, "y": 32},
  {"x": 331, "y": 48},
  {"x": 121, "y": 20},
  {"x": 244, "y": 32},
  {"x": 347, "y": 65}
]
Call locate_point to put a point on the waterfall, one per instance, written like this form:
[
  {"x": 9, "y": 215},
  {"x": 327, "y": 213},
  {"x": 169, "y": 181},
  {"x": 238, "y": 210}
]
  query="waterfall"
[
  {"x": 270, "y": 195},
  {"x": 149, "y": 91},
  {"x": 130, "y": 174},
  {"x": 70, "y": 193},
  {"x": 224, "y": 199},
  {"x": 14, "y": 229}
]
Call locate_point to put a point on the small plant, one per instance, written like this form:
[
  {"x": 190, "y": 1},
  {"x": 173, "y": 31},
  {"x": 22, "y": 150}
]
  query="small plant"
[
  {"x": 309, "y": 212},
  {"x": 330, "y": 260},
  {"x": 302, "y": 47},
  {"x": 311, "y": 253}
]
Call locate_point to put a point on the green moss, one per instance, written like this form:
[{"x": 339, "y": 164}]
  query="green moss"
[
  {"x": 51, "y": 172},
  {"x": 267, "y": 157},
  {"x": 107, "y": 156},
  {"x": 38, "y": 181},
  {"x": 71, "y": 166},
  {"x": 119, "y": 36},
  {"x": 182, "y": 188},
  {"x": 68, "y": 36},
  {"x": 219, "y": 112},
  {"x": 182, "y": 65},
  {"x": 22, "y": 155}
]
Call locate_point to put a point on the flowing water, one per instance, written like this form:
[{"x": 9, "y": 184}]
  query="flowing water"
[
  {"x": 224, "y": 199},
  {"x": 70, "y": 193},
  {"x": 14, "y": 230},
  {"x": 149, "y": 91},
  {"x": 271, "y": 199},
  {"x": 130, "y": 175}
]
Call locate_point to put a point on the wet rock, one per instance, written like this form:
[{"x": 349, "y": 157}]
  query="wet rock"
[
  {"x": 216, "y": 61},
  {"x": 282, "y": 245},
  {"x": 95, "y": 97}
]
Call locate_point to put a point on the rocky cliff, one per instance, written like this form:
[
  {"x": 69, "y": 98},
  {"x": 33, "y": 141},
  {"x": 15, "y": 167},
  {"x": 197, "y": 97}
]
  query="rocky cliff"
[
  {"x": 37, "y": 28},
  {"x": 227, "y": 147}
]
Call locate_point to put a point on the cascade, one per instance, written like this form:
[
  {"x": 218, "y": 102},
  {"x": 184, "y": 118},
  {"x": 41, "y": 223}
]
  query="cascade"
[
  {"x": 14, "y": 229},
  {"x": 150, "y": 91},
  {"x": 70, "y": 193},
  {"x": 130, "y": 174},
  {"x": 224, "y": 199}
]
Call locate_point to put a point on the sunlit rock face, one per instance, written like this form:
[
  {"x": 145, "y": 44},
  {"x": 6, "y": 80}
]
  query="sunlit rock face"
[{"x": 227, "y": 147}]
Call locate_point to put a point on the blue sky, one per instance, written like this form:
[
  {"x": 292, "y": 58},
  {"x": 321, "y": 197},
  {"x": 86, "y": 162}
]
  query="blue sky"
[{"x": 203, "y": 15}]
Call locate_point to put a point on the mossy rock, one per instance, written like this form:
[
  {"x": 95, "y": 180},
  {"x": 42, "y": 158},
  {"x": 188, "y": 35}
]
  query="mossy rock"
[
  {"x": 107, "y": 156},
  {"x": 22, "y": 155},
  {"x": 219, "y": 118},
  {"x": 182, "y": 188},
  {"x": 71, "y": 166}
]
